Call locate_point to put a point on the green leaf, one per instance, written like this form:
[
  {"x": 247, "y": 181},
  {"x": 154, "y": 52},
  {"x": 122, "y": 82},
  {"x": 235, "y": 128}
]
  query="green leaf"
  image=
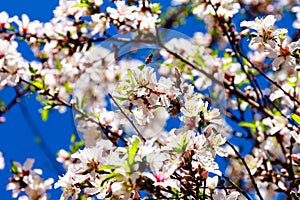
[
  {"x": 120, "y": 98},
  {"x": 141, "y": 67},
  {"x": 129, "y": 74},
  {"x": 67, "y": 87},
  {"x": 58, "y": 65},
  {"x": 81, "y": 5},
  {"x": 37, "y": 83},
  {"x": 82, "y": 197},
  {"x": 108, "y": 167},
  {"x": 73, "y": 138},
  {"x": 83, "y": 101},
  {"x": 244, "y": 82},
  {"x": 132, "y": 152},
  {"x": 14, "y": 168},
  {"x": 247, "y": 124},
  {"x": 296, "y": 118},
  {"x": 120, "y": 88},
  {"x": 183, "y": 144},
  {"x": 200, "y": 61},
  {"x": 32, "y": 70},
  {"x": 76, "y": 146},
  {"x": 2, "y": 103},
  {"x": 156, "y": 7},
  {"x": 44, "y": 114},
  {"x": 250, "y": 125},
  {"x": 110, "y": 176}
]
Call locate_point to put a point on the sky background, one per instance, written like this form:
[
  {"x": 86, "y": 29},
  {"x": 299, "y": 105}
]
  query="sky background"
[{"x": 23, "y": 121}]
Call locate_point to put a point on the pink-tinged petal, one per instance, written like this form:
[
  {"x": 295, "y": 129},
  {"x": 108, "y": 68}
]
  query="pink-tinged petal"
[
  {"x": 2, "y": 162},
  {"x": 276, "y": 63},
  {"x": 246, "y": 24},
  {"x": 38, "y": 171},
  {"x": 276, "y": 95},
  {"x": 233, "y": 195},
  {"x": 28, "y": 164},
  {"x": 49, "y": 182},
  {"x": 25, "y": 21},
  {"x": 269, "y": 20},
  {"x": 23, "y": 197},
  {"x": 11, "y": 186}
]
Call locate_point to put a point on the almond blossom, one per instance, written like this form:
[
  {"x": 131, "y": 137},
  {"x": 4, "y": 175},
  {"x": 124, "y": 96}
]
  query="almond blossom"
[
  {"x": 12, "y": 65},
  {"x": 2, "y": 162},
  {"x": 266, "y": 31},
  {"x": 224, "y": 9},
  {"x": 283, "y": 54},
  {"x": 28, "y": 180}
]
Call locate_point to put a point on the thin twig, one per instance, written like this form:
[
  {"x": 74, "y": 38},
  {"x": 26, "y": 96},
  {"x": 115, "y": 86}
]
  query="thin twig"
[
  {"x": 236, "y": 187},
  {"x": 36, "y": 133},
  {"x": 65, "y": 103},
  {"x": 14, "y": 101},
  {"x": 129, "y": 120},
  {"x": 247, "y": 168}
]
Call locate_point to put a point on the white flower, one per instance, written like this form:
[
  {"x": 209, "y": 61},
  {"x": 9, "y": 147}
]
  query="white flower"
[
  {"x": 100, "y": 24},
  {"x": 221, "y": 195},
  {"x": 25, "y": 26},
  {"x": 296, "y": 23},
  {"x": 283, "y": 54},
  {"x": 296, "y": 136},
  {"x": 2, "y": 161},
  {"x": 266, "y": 32},
  {"x": 28, "y": 180},
  {"x": 226, "y": 9},
  {"x": 96, "y": 2},
  {"x": 195, "y": 110},
  {"x": 11, "y": 63},
  {"x": 212, "y": 182},
  {"x": 276, "y": 124},
  {"x": 178, "y": 2},
  {"x": 67, "y": 182},
  {"x": 155, "y": 125},
  {"x": 63, "y": 157},
  {"x": 148, "y": 20},
  {"x": 66, "y": 8},
  {"x": 123, "y": 12},
  {"x": 253, "y": 162},
  {"x": 5, "y": 20}
]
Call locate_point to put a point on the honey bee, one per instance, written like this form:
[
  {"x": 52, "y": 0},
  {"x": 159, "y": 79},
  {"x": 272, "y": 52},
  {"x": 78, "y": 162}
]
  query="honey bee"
[{"x": 149, "y": 58}]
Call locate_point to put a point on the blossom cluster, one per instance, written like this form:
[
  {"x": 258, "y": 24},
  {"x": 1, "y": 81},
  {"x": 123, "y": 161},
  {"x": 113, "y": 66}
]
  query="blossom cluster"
[
  {"x": 62, "y": 45},
  {"x": 29, "y": 181},
  {"x": 274, "y": 42},
  {"x": 160, "y": 159}
]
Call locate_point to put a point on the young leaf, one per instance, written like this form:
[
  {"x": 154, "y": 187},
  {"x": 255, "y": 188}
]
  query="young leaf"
[
  {"x": 44, "y": 114},
  {"x": 296, "y": 118},
  {"x": 132, "y": 151},
  {"x": 250, "y": 125},
  {"x": 73, "y": 138},
  {"x": 82, "y": 5},
  {"x": 141, "y": 67},
  {"x": 107, "y": 167}
]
